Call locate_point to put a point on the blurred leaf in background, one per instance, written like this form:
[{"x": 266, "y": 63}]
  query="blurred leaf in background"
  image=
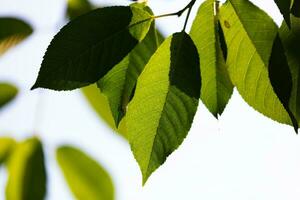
[
  {"x": 6, "y": 147},
  {"x": 12, "y": 32},
  {"x": 76, "y": 8},
  {"x": 86, "y": 178},
  {"x": 7, "y": 93}
]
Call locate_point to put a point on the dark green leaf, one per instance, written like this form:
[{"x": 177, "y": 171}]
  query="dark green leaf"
[
  {"x": 12, "y": 32},
  {"x": 216, "y": 85},
  {"x": 165, "y": 102},
  {"x": 249, "y": 34},
  {"x": 284, "y": 7},
  {"x": 27, "y": 173},
  {"x": 86, "y": 178},
  {"x": 6, "y": 147},
  {"x": 296, "y": 8},
  {"x": 7, "y": 93},
  {"x": 76, "y": 8},
  {"x": 291, "y": 41},
  {"x": 90, "y": 46}
]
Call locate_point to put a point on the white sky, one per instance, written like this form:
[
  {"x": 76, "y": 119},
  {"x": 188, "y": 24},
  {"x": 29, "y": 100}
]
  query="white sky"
[{"x": 243, "y": 156}]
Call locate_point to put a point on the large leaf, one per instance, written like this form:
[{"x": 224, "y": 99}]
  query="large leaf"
[
  {"x": 119, "y": 83},
  {"x": 291, "y": 41},
  {"x": 284, "y": 7},
  {"x": 249, "y": 34},
  {"x": 165, "y": 102},
  {"x": 100, "y": 104},
  {"x": 7, "y": 93},
  {"x": 216, "y": 85},
  {"x": 86, "y": 178},
  {"x": 12, "y": 32},
  {"x": 76, "y": 8},
  {"x": 91, "y": 45},
  {"x": 296, "y": 8},
  {"x": 27, "y": 174},
  {"x": 6, "y": 147}
]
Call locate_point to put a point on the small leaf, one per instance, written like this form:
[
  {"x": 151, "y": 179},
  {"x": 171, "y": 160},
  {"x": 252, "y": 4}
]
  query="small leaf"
[
  {"x": 98, "y": 101},
  {"x": 249, "y": 45},
  {"x": 216, "y": 85},
  {"x": 291, "y": 39},
  {"x": 86, "y": 178},
  {"x": 165, "y": 102},
  {"x": 76, "y": 8},
  {"x": 12, "y": 32},
  {"x": 7, "y": 93},
  {"x": 6, "y": 147},
  {"x": 296, "y": 8},
  {"x": 27, "y": 173},
  {"x": 284, "y": 7},
  {"x": 119, "y": 83},
  {"x": 90, "y": 46}
]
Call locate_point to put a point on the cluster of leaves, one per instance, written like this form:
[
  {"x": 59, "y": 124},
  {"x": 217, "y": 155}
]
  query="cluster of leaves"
[
  {"x": 25, "y": 160},
  {"x": 153, "y": 86}
]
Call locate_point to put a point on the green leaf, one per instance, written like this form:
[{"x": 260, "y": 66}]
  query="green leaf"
[
  {"x": 7, "y": 93},
  {"x": 296, "y": 8},
  {"x": 27, "y": 173},
  {"x": 216, "y": 86},
  {"x": 76, "y": 8},
  {"x": 249, "y": 34},
  {"x": 119, "y": 83},
  {"x": 284, "y": 7},
  {"x": 86, "y": 178},
  {"x": 90, "y": 46},
  {"x": 6, "y": 147},
  {"x": 12, "y": 32},
  {"x": 99, "y": 102},
  {"x": 291, "y": 40},
  {"x": 165, "y": 102}
]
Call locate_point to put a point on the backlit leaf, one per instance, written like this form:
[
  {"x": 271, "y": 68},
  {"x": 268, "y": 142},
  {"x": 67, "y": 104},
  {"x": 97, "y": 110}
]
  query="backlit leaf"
[
  {"x": 90, "y": 46},
  {"x": 216, "y": 85},
  {"x": 12, "y": 32},
  {"x": 27, "y": 173},
  {"x": 7, "y": 93},
  {"x": 165, "y": 102},
  {"x": 85, "y": 177},
  {"x": 249, "y": 34}
]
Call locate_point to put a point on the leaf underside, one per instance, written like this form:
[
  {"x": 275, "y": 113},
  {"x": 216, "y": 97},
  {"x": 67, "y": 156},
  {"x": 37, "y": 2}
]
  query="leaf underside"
[{"x": 165, "y": 102}]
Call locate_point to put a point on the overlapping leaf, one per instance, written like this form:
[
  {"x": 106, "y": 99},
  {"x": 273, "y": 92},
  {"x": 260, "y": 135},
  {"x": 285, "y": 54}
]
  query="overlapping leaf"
[
  {"x": 7, "y": 93},
  {"x": 291, "y": 41},
  {"x": 119, "y": 83},
  {"x": 296, "y": 8},
  {"x": 165, "y": 102},
  {"x": 91, "y": 45},
  {"x": 6, "y": 147},
  {"x": 12, "y": 32},
  {"x": 249, "y": 34},
  {"x": 284, "y": 7},
  {"x": 27, "y": 174},
  {"x": 86, "y": 178},
  {"x": 216, "y": 85}
]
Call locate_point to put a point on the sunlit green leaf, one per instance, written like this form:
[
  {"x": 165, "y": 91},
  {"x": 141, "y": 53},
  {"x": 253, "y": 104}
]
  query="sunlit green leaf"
[
  {"x": 12, "y": 32},
  {"x": 77, "y": 8},
  {"x": 7, "y": 93},
  {"x": 26, "y": 170},
  {"x": 216, "y": 85},
  {"x": 165, "y": 102},
  {"x": 249, "y": 34},
  {"x": 100, "y": 104},
  {"x": 85, "y": 177},
  {"x": 291, "y": 41},
  {"x": 6, "y": 147},
  {"x": 91, "y": 45}
]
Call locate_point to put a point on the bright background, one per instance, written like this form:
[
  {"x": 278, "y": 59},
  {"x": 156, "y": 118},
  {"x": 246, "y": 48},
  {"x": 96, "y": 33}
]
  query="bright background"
[{"x": 243, "y": 156}]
